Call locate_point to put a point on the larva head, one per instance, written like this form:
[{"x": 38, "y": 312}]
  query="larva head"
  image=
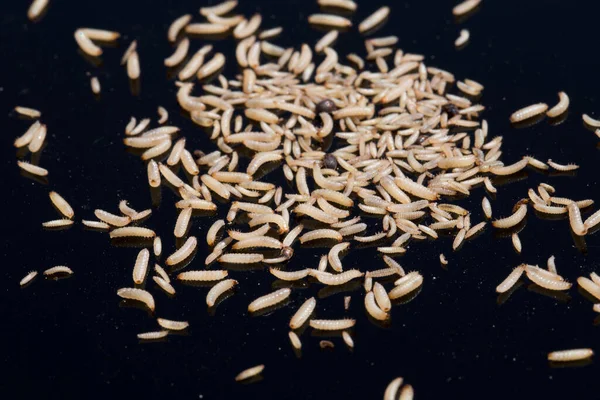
[{"x": 520, "y": 203}]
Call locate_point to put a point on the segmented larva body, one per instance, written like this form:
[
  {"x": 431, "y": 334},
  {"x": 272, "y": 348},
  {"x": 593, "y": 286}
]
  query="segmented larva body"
[
  {"x": 336, "y": 279},
  {"x": 374, "y": 19},
  {"x": 32, "y": 169},
  {"x": 391, "y": 391},
  {"x": 513, "y": 220},
  {"x": 141, "y": 266},
  {"x": 196, "y": 204},
  {"x": 528, "y": 112},
  {"x": 60, "y": 269},
  {"x": 334, "y": 256},
  {"x": 269, "y": 300},
  {"x": 217, "y": 290},
  {"x": 592, "y": 220},
  {"x": 132, "y": 231},
  {"x": 152, "y": 335},
  {"x": 95, "y": 224},
  {"x": 552, "y": 264},
  {"x": 406, "y": 284},
  {"x": 516, "y": 241},
  {"x": 295, "y": 340},
  {"x": 258, "y": 241},
  {"x": 589, "y": 286},
  {"x": 112, "y": 219},
  {"x": 183, "y": 252},
  {"x": 539, "y": 277},
  {"x": 57, "y": 223},
  {"x": 182, "y": 223},
  {"x": 250, "y": 373},
  {"x": 575, "y": 220},
  {"x": 333, "y": 196},
  {"x": 172, "y": 325},
  {"x": 329, "y": 20},
  {"x": 332, "y": 324},
  {"x": 348, "y": 339},
  {"x": 138, "y": 295},
  {"x": 289, "y": 275},
  {"x": 62, "y": 205},
  {"x": 510, "y": 280},
  {"x": 202, "y": 276},
  {"x": 458, "y": 10},
  {"x": 321, "y": 234},
  {"x": 153, "y": 174},
  {"x": 591, "y": 121},
  {"x": 164, "y": 285},
  {"x": 303, "y": 313},
  {"x": 562, "y": 167},
  {"x": 570, "y": 355},
  {"x": 157, "y": 246},
  {"x": 510, "y": 169},
  {"x": 460, "y": 236},
  {"x": 241, "y": 258},
  {"x": 28, "y": 278},
  {"x": 416, "y": 189},
  {"x": 561, "y": 107},
  {"x": 211, "y": 235},
  {"x": 315, "y": 213},
  {"x": 373, "y": 309},
  {"x": 381, "y": 297}
]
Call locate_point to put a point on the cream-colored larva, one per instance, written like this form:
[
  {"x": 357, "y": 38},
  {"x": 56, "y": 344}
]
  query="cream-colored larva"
[
  {"x": 374, "y": 19},
  {"x": 326, "y": 41},
  {"x": 416, "y": 189},
  {"x": 513, "y": 220},
  {"x": 528, "y": 112},
  {"x": 295, "y": 340},
  {"x": 575, "y": 220},
  {"x": 591, "y": 121},
  {"x": 60, "y": 269},
  {"x": 211, "y": 236},
  {"x": 157, "y": 246},
  {"x": 462, "y": 38},
  {"x": 101, "y": 34},
  {"x": 336, "y": 279},
  {"x": 133, "y": 66},
  {"x": 315, "y": 213},
  {"x": 329, "y": 20},
  {"x": 348, "y": 339},
  {"x": 345, "y": 4},
  {"x": 182, "y": 223},
  {"x": 188, "y": 163},
  {"x": 258, "y": 241},
  {"x": 57, "y": 223},
  {"x": 183, "y": 252},
  {"x": 459, "y": 238},
  {"x": 570, "y": 355},
  {"x": 262, "y": 158},
  {"x": 510, "y": 280},
  {"x": 177, "y": 25},
  {"x": 510, "y": 169},
  {"x": 391, "y": 391},
  {"x": 334, "y": 255},
  {"x": 204, "y": 28},
  {"x": 164, "y": 285},
  {"x": 592, "y": 220},
  {"x": 289, "y": 275},
  {"x": 407, "y": 393},
  {"x": 152, "y": 335},
  {"x": 163, "y": 115},
  {"x": 28, "y": 112},
  {"x": 36, "y": 9},
  {"x": 202, "y": 276},
  {"x": 332, "y": 324},
  {"x": 140, "y": 268},
  {"x": 561, "y": 107},
  {"x": 537, "y": 276},
  {"x": 37, "y": 139},
  {"x": 172, "y": 325},
  {"x": 270, "y": 33},
  {"x": 250, "y": 373},
  {"x": 138, "y": 295},
  {"x": 456, "y": 162},
  {"x": 96, "y": 224},
  {"x": 303, "y": 313},
  {"x": 589, "y": 286},
  {"x": 562, "y": 167},
  {"x": 516, "y": 241},
  {"x": 381, "y": 297},
  {"x": 179, "y": 54},
  {"x": 32, "y": 169},
  {"x": 111, "y": 219},
  {"x": 373, "y": 309},
  {"x": 132, "y": 231},
  {"x": 85, "y": 44},
  {"x": 464, "y": 8},
  {"x": 27, "y": 137},
  {"x": 196, "y": 204},
  {"x": 163, "y": 274},
  {"x": 215, "y": 186},
  {"x": 95, "y": 85},
  {"x": 211, "y": 66},
  {"x": 406, "y": 284},
  {"x": 552, "y": 264},
  {"x": 487, "y": 207},
  {"x": 321, "y": 234},
  {"x": 291, "y": 236},
  {"x": 241, "y": 258},
  {"x": 28, "y": 278},
  {"x": 269, "y": 300},
  {"x": 153, "y": 174},
  {"x": 218, "y": 289}
]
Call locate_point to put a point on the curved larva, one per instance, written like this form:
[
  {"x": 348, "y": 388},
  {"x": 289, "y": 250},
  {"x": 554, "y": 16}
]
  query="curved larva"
[
  {"x": 235, "y": 235},
  {"x": 291, "y": 236},
  {"x": 538, "y": 278},
  {"x": 303, "y": 313},
  {"x": 592, "y": 220},
  {"x": 562, "y": 167},
  {"x": 252, "y": 207},
  {"x": 247, "y": 28},
  {"x": 528, "y": 112},
  {"x": 596, "y": 308},
  {"x": 157, "y": 246},
  {"x": 462, "y": 38},
  {"x": 336, "y": 279},
  {"x": 202, "y": 276},
  {"x": 372, "y": 308},
  {"x": 85, "y": 44},
  {"x": 177, "y": 25},
  {"x": 374, "y": 19},
  {"x": 552, "y": 264},
  {"x": 406, "y": 284},
  {"x": 250, "y": 373},
  {"x": 163, "y": 274},
  {"x": 132, "y": 231},
  {"x": 141, "y": 266},
  {"x": 182, "y": 223},
  {"x": 516, "y": 242},
  {"x": 215, "y": 186},
  {"x": 353, "y": 229},
  {"x": 138, "y": 295},
  {"x": 183, "y": 252},
  {"x": 391, "y": 391},
  {"x": 269, "y": 300},
  {"x": 513, "y": 220},
  {"x": 172, "y": 325},
  {"x": 536, "y": 163},
  {"x": 26, "y": 138},
  {"x": 57, "y": 223},
  {"x": 188, "y": 163},
  {"x": 32, "y": 169},
  {"x": 510, "y": 169},
  {"x": 334, "y": 255},
  {"x": 575, "y": 220},
  {"x": 295, "y": 340},
  {"x": 510, "y": 280},
  {"x": 333, "y": 196},
  {"x": 241, "y": 258},
  {"x": 591, "y": 121},
  {"x": 407, "y": 393},
  {"x": 561, "y": 107},
  {"x": 549, "y": 209},
  {"x": 218, "y": 289},
  {"x": 196, "y": 204},
  {"x": 460, "y": 236},
  {"x": 153, "y": 174},
  {"x": 320, "y": 234},
  {"x": 443, "y": 259},
  {"x": 36, "y": 9},
  {"x": 28, "y": 278},
  {"x": 212, "y": 66},
  {"x": 289, "y": 275},
  {"x": 211, "y": 235},
  {"x": 260, "y": 159},
  {"x": 163, "y": 114},
  {"x": 570, "y": 355},
  {"x": 157, "y": 150},
  {"x": 61, "y": 269},
  {"x": 315, "y": 213},
  {"x": 475, "y": 229},
  {"x": 348, "y": 339},
  {"x": 152, "y": 335},
  {"x": 101, "y": 34},
  {"x": 258, "y": 241},
  {"x": 38, "y": 139},
  {"x": 95, "y": 224},
  {"x": 111, "y": 219},
  {"x": 589, "y": 286},
  {"x": 164, "y": 285},
  {"x": 332, "y": 324}
]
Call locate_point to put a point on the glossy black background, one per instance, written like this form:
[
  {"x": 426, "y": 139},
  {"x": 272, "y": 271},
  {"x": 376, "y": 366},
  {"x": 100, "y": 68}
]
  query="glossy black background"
[{"x": 70, "y": 339}]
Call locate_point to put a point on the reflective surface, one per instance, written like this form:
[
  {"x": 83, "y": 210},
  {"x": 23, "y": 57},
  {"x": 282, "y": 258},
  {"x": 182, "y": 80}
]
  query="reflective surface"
[{"x": 456, "y": 338}]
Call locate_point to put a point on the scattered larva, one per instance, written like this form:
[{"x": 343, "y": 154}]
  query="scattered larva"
[
  {"x": 58, "y": 270},
  {"x": 157, "y": 246},
  {"x": 164, "y": 285},
  {"x": 172, "y": 325},
  {"x": 443, "y": 260},
  {"x": 464, "y": 8},
  {"x": 28, "y": 278},
  {"x": 391, "y": 391},
  {"x": 269, "y": 300},
  {"x": 57, "y": 223},
  {"x": 27, "y": 137},
  {"x": 202, "y": 276},
  {"x": 487, "y": 207},
  {"x": 132, "y": 231},
  {"x": 374, "y": 19},
  {"x": 295, "y": 340},
  {"x": 183, "y": 220},
  {"x": 86, "y": 45},
  {"x": 96, "y": 224},
  {"x": 329, "y": 20},
  {"x": 138, "y": 295},
  {"x": 183, "y": 252},
  {"x": 510, "y": 280},
  {"x": 218, "y": 289},
  {"x": 561, "y": 107},
  {"x": 591, "y": 121},
  {"x": 345, "y": 4},
  {"x": 332, "y": 324},
  {"x": 528, "y": 112},
  {"x": 463, "y": 38},
  {"x": 381, "y": 297},
  {"x": 562, "y": 167},
  {"x": 406, "y": 284},
  {"x": 589, "y": 286},
  {"x": 551, "y": 264},
  {"x": 336, "y": 279},
  {"x": 512, "y": 220},
  {"x": 95, "y": 85},
  {"x": 373, "y": 309},
  {"x": 250, "y": 373},
  {"x": 36, "y": 9},
  {"x": 537, "y": 277},
  {"x": 152, "y": 335},
  {"x": 32, "y": 169},
  {"x": 303, "y": 313},
  {"x": 140, "y": 268},
  {"x": 575, "y": 220},
  {"x": 111, "y": 219},
  {"x": 28, "y": 112},
  {"x": 348, "y": 339},
  {"x": 241, "y": 258},
  {"x": 516, "y": 241},
  {"x": 570, "y": 355}
]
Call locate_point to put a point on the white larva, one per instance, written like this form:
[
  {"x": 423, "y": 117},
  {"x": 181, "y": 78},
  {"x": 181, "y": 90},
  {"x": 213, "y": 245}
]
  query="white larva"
[
  {"x": 28, "y": 112},
  {"x": 374, "y": 19},
  {"x": 164, "y": 285},
  {"x": 303, "y": 313},
  {"x": 138, "y": 295},
  {"x": 487, "y": 207},
  {"x": 561, "y": 107},
  {"x": 132, "y": 231},
  {"x": 512, "y": 220},
  {"x": 178, "y": 55},
  {"x": 217, "y": 290},
  {"x": 202, "y": 276},
  {"x": 332, "y": 324},
  {"x": 295, "y": 340},
  {"x": 37, "y": 139},
  {"x": 538, "y": 277},
  {"x": 334, "y": 256},
  {"x": 152, "y": 335},
  {"x": 345, "y": 4},
  {"x": 589, "y": 286},
  {"x": 86, "y": 45},
  {"x": 95, "y": 85},
  {"x": 58, "y": 270},
  {"x": 32, "y": 169},
  {"x": 406, "y": 284},
  {"x": 112, "y": 219},
  {"x": 510, "y": 280},
  {"x": 381, "y": 297},
  {"x": 320, "y": 234},
  {"x": 391, "y": 391},
  {"x": 528, "y": 112},
  {"x": 133, "y": 66},
  {"x": 28, "y": 278},
  {"x": 373, "y": 309},
  {"x": 211, "y": 236},
  {"x": 157, "y": 246},
  {"x": 183, "y": 252},
  {"x": 57, "y": 223},
  {"x": 463, "y": 38},
  {"x": 177, "y": 25},
  {"x": 269, "y": 300},
  {"x": 591, "y": 121},
  {"x": 348, "y": 339},
  {"x": 36, "y": 9},
  {"x": 140, "y": 268},
  {"x": 27, "y": 137},
  {"x": 570, "y": 355},
  {"x": 329, "y": 20},
  {"x": 172, "y": 325},
  {"x": 250, "y": 373},
  {"x": 241, "y": 258},
  {"x": 575, "y": 220},
  {"x": 465, "y": 7},
  {"x": 182, "y": 223},
  {"x": 336, "y": 279},
  {"x": 516, "y": 241},
  {"x": 96, "y": 224}
]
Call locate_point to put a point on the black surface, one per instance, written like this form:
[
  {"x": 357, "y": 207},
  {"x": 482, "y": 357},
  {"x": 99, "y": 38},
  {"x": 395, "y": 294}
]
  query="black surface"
[{"x": 71, "y": 339}]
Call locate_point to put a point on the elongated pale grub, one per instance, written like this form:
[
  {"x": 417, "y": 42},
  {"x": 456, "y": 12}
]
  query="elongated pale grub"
[
  {"x": 391, "y": 391},
  {"x": 487, "y": 207},
  {"x": 86, "y": 45},
  {"x": 250, "y": 373},
  {"x": 537, "y": 277},
  {"x": 374, "y": 19},
  {"x": 96, "y": 224},
  {"x": 57, "y": 223},
  {"x": 182, "y": 223},
  {"x": 58, "y": 270},
  {"x": 211, "y": 66},
  {"x": 179, "y": 54},
  {"x": 211, "y": 236},
  {"x": 32, "y": 169},
  {"x": 591, "y": 121},
  {"x": 132, "y": 231},
  {"x": 152, "y": 335},
  {"x": 373, "y": 309},
  {"x": 164, "y": 285},
  {"x": 516, "y": 241},
  {"x": 303, "y": 313},
  {"x": 37, "y": 140},
  {"x": 416, "y": 189},
  {"x": 575, "y": 220},
  {"x": 202, "y": 276},
  {"x": 589, "y": 286},
  {"x": 95, "y": 85},
  {"x": 321, "y": 234},
  {"x": 140, "y": 268},
  {"x": 133, "y": 66},
  {"x": 177, "y": 25},
  {"x": 462, "y": 38},
  {"x": 561, "y": 107},
  {"x": 28, "y": 112},
  {"x": 62, "y": 205},
  {"x": 289, "y": 275},
  {"x": 336, "y": 279},
  {"x": 329, "y": 20},
  {"x": 510, "y": 280},
  {"x": 345, "y": 4},
  {"x": 241, "y": 258},
  {"x": 28, "y": 136},
  {"x": 514, "y": 219},
  {"x": 334, "y": 256},
  {"x": 258, "y": 241},
  {"x": 562, "y": 167},
  {"x": 172, "y": 325},
  {"x": 28, "y": 278},
  {"x": 570, "y": 355},
  {"x": 406, "y": 284},
  {"x": 269, "y": 300},
  {"x": 528, "y": 112},
  {"x": 111, "y": 219},
  {"x": 465, "y": 7},
  {"x": 295, "y": 340},
  {"x": 592, "y": 220},
  {"x": 183, "y": 252},
  {"x": 217, "y": 290},
  {"x": 137, "y": 295},
  {"x": 332, "y": 324},
  {"x": 36, "y": 9}
]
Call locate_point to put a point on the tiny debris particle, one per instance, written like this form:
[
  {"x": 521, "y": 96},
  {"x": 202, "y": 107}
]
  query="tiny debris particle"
[{"x": 326, "y": 106}]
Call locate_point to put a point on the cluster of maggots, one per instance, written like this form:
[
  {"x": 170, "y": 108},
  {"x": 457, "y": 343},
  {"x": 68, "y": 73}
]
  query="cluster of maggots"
[{"x": 402, "y": 145}]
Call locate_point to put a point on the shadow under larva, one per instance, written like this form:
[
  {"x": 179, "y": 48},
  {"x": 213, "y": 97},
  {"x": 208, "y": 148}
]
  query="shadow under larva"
[
  {"x": 555, "y": 295},
  {"x": 503, "y": 297}
]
